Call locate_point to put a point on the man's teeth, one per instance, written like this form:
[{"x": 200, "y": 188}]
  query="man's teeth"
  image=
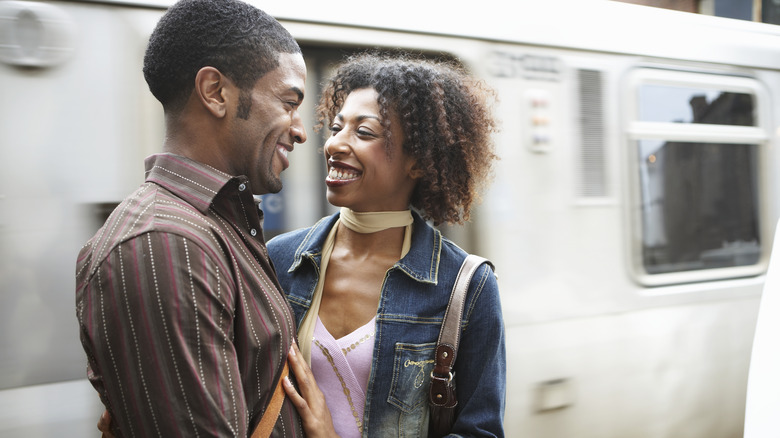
[
  {"x": 341, "y": 174},
  {"x": 284, "y": 151}
]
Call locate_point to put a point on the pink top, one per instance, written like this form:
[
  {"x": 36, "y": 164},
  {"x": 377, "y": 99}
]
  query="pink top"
[{"x": 341, "y": 368}]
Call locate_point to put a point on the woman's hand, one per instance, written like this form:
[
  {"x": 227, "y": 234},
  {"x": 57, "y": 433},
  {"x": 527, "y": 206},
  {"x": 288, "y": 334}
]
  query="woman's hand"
[
  {"x": 310, "y": 403},
  {"x": 104, "y": 425}
]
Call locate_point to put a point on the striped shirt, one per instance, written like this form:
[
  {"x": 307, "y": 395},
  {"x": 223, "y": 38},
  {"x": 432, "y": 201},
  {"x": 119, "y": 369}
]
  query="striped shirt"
[{"x": 182, "y": 318}]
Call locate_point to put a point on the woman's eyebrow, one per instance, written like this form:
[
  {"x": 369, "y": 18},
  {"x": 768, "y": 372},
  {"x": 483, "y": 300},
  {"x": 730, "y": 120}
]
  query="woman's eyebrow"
[{"x": 360, "y": 118}]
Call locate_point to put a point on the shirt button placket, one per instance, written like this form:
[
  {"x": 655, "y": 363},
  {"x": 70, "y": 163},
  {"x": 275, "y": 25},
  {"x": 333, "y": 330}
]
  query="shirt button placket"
[{"x": 241, "y": 188}]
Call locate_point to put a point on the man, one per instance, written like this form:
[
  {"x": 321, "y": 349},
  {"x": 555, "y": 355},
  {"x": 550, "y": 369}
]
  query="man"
[{"x": 182, "y": 318}]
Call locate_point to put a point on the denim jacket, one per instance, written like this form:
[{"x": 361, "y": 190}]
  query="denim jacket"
[{"x": 414, "y": 297}]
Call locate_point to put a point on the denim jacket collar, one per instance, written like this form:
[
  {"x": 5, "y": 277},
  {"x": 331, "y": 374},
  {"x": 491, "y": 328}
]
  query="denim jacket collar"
[{"x": 420, "y": 264}]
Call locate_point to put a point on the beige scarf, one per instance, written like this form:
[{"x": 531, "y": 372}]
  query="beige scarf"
[{"x": 362, "y": 223}]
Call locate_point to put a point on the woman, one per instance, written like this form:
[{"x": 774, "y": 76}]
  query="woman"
[{"x": 369, "y": 285}]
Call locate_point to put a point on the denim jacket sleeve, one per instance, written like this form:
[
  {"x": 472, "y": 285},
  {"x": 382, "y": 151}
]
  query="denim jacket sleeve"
[{"x": 480, "y": 366}]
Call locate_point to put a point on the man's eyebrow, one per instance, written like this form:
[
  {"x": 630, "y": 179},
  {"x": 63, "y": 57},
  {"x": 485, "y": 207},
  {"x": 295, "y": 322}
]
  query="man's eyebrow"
[{"x": 299, "y": 92}]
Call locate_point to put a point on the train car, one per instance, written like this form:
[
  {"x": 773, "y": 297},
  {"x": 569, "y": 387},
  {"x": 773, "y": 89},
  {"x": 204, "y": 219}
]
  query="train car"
[{"x": 630, "y": 218}]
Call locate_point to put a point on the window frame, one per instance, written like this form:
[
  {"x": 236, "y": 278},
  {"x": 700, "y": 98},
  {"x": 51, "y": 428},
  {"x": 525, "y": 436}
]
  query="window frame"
[{"x": 636, "y": 130}]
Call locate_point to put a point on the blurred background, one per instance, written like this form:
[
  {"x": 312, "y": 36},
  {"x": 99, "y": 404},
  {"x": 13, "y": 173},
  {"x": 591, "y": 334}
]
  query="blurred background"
[{"x": 630, "y": 218}]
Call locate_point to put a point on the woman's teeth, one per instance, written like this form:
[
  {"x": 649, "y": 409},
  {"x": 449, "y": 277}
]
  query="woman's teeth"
[{"x": 341, "y": 174}]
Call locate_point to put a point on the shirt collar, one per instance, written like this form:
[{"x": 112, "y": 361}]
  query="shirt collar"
[{"x": 194, "y": 182}]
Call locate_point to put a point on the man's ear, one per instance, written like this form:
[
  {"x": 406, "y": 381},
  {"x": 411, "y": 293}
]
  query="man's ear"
[{"x": 210, "y": 89}]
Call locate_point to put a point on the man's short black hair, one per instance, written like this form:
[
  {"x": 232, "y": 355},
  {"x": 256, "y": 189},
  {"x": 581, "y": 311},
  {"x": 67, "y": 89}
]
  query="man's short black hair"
[{"x": 234, "y": 37}]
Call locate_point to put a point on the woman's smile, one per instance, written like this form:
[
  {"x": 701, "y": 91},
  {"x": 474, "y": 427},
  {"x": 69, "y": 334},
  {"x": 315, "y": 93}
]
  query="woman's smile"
[{"x": 340, "y": 174}]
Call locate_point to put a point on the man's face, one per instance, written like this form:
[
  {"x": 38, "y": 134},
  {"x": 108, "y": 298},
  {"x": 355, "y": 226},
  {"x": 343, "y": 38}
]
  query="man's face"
[{"x": 262, "y": 138}]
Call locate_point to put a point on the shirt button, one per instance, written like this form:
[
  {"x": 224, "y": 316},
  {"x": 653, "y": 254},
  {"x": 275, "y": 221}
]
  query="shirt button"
[
  {"x": 253, "y": 232},
  {"x": 242, "y": 187}
]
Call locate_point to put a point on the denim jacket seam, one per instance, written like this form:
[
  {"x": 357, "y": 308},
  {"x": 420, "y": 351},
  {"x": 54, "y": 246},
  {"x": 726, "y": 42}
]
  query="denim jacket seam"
[
  {"x": 413, "y": 269},
  {"x": 410, "y": 319},
  {"x": 411, "y": 273},
  {"x": 303, "y": 249},
  {"x": 475, "y": 296},
  {"x": 436, "y": 252},
  {"x": 299, "y": 300},
  {"x": 372, "y": 374}
]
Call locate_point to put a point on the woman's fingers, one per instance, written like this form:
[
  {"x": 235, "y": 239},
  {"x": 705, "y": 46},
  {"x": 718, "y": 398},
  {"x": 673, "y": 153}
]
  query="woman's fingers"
[
  {"x": 303, "y": 376},
  {"x": 104, "y": 425},
  {"x": 296, "y": 399},
  {"x": 301, "y": 369}
]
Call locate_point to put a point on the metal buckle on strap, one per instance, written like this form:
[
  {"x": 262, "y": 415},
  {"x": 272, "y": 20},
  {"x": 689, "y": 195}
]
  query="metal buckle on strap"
[{"x": 448, "y": 379}]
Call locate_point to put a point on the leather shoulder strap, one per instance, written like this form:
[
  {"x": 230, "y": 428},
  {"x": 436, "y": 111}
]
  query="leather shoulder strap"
[
  {"x": 271, "y": 414},
  {"x": 449, "y": 336}
]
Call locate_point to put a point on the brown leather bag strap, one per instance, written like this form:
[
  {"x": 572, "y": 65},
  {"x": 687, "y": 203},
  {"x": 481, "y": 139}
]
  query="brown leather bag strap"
[
  {"x": 441, "y": 393},
  {"x": 271, "y": 414}
]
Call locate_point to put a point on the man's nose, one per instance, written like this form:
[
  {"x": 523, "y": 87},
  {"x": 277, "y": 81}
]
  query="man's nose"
[{"x": 298, "y": 130}]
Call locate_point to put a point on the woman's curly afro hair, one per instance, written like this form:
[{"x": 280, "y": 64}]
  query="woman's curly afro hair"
[{"x": 446, "y": 119}]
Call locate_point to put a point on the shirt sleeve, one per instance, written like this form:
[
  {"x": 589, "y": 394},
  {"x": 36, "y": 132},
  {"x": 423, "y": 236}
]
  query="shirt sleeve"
[
  {"x": 480, "y": 366},
  {"x": 157, "y": 326}
]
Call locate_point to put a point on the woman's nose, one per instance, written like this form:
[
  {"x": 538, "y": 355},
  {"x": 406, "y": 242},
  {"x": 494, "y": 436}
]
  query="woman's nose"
[{"x": 336, "y": 145}]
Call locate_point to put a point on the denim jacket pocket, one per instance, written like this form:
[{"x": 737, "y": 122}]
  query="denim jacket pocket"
[{"x": 412, "y": 368}]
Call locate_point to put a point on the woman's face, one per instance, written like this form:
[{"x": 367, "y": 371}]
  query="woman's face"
[{"x": 361, "y": 174}]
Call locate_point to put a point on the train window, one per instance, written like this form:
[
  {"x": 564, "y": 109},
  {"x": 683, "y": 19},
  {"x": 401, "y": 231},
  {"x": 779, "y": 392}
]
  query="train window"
[
  {"x": 699, "y": 204},
  {"x": 695, "y": 144},
  {"x": 674, "y": 104}
]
